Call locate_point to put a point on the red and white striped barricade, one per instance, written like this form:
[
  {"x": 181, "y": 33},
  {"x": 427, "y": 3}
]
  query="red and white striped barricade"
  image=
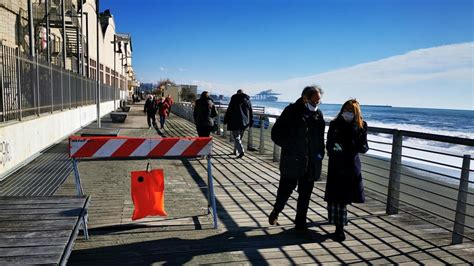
[{"x": 129, "y": 148}]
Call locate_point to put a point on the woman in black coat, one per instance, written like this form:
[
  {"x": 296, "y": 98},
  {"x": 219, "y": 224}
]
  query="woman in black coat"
[
  {"x": 204, "y": 113},
  {"x": 347, "y": 137}
]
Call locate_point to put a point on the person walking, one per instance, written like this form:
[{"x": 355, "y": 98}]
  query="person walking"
[
  {"x": 347, "y": 137},
  {"x": 163, "y": 111},
  {"x": 204, "y": 113},
  {"x": 238, "y": 117},
  {"x": 299, "y": 131},
  {"x": 150, "y": 109},
  {"x": 170, "y": 102}
]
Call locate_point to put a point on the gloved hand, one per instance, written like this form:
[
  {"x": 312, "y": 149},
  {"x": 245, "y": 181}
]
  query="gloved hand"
[{"x": 337, "y": 147}]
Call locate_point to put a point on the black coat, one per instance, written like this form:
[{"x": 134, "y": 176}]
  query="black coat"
[
  {"x": 239, "y": 114},
  {"x": 204, "y": 112},
  {"x": 300, "y": 134},
  {"x": 150, "y": 106},
  {"x": 344, "y": 180}
]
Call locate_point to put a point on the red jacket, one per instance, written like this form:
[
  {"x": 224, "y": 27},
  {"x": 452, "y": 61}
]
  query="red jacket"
[{"x": 164, "y": 107}]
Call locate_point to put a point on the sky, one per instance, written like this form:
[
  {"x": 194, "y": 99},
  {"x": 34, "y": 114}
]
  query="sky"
[{"x": 414, "y": 53}]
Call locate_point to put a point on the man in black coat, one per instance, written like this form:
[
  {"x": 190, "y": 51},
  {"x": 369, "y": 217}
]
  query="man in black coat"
[
  {"x": 299, "y": 131},
  {"x": 238, "y": 117},
  {"x": 150, "y": 109}
]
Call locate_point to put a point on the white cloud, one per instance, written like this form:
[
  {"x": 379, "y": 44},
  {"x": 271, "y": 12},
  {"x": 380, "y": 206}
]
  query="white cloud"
[
  {"x": 434, "y": 77},
  {"x": 162, "y": 69},
  {"x": 180, "y": 69}
]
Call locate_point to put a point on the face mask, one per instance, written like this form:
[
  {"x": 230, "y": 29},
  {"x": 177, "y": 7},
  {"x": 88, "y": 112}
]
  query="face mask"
[
  {"x": 348, "y": 116},
  {"x": 312, "y": 107}
]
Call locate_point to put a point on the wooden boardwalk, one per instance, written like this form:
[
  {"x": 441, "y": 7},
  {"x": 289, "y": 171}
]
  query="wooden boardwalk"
[{"x": 245, "y": 190}]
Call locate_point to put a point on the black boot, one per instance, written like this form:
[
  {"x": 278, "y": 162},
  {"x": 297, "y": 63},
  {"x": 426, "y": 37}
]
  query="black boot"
[
  {"x": 339, "y": 233},
  {"x": 273, "y": 218}
]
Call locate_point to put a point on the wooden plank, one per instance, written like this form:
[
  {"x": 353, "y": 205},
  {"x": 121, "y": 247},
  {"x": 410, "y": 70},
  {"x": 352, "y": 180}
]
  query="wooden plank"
[
  {"x": 34, "y": 234},
  {"x": 44, "y": 241},
  {"x": 40, "y": 206},
  {"x": 21, "y": 251},
  {"x": 33, "y": 211},
  {"x": 51, "y": 199},
  {"x": 42, "y": 216},
  {"x": 30, "y": 259},
  {"x": 40, "y": 225}
]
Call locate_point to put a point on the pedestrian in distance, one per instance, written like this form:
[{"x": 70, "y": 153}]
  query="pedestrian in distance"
[
  {"x": 299, "y": 131},
  {"x": 204, "y": 113},
  {"x": 347, "y": 137},
  {"x": 150, "y": 109},
  {"x": 238, "y": 117},
  {"x": 163, "y": 110},
  {"x": 170, "y": 102}
]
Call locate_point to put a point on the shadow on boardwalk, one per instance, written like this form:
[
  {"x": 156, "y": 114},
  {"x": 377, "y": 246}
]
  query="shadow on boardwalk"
[{"x": 175, "y": 250}]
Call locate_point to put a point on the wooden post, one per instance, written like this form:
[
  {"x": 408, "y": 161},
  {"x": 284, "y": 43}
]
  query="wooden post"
[
  {"x": 459, "y": 220},
  {"x": 393, "y": 194}
]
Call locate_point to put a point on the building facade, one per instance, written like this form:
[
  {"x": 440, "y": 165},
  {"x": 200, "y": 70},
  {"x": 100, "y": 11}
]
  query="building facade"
[{"x": 65, "y": 34}]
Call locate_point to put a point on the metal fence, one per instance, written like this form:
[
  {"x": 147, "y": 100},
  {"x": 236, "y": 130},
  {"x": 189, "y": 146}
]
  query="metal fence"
[
  {"x": 30, "y": 86},
  {"x": 395, "y": 177}
]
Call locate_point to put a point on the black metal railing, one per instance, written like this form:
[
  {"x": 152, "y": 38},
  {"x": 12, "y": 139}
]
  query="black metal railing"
[{"x": 30, "y": 86}]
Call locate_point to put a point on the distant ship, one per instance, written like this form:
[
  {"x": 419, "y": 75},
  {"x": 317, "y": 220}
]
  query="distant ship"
[{"x": 265, "y": 96}]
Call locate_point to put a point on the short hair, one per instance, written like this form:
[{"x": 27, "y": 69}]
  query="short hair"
[
  {"x": 240, "y": 91},
  {"x": 204, "y": 94},
  {"x": 309, "y": 91}
]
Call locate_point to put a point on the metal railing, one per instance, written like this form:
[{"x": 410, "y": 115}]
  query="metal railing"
[
  {"x": 30, "y": 86},
  {"x": 401, "y": 185}
]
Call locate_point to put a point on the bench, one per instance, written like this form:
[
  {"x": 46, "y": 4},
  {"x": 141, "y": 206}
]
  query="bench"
[
  {"x": 40, "y": 230},
  {"x": 100, "y": 132},
  {"x": 118, "y": 117},
  {"x": 125, "y": 109}
]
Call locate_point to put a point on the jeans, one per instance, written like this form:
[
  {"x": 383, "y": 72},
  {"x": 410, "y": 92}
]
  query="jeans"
[
  {"x": 162, "y": 121},
  {"x": 238, "y": 134}
]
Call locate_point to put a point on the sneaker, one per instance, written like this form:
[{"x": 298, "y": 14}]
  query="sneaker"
[{"x": 273, "y": 218}]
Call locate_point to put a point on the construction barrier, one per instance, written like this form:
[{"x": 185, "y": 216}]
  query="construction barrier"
[{"x": 128, "y": 148}]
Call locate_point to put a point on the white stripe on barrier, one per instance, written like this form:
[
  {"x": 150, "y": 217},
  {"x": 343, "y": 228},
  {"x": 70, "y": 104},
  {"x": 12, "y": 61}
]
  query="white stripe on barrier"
[
  {"x": 76, "y": 145},
  {"x": 109, "y": 148},
  {"x": 153, "y": 144},
  {"x": 179, "y": 147},
  {"x": 142, "y": 150},
  {"x": 205, "y": 150}
]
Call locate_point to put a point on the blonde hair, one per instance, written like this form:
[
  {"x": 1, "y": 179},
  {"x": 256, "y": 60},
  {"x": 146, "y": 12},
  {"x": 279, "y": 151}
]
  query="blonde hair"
[{"x": 358, "y": 120}]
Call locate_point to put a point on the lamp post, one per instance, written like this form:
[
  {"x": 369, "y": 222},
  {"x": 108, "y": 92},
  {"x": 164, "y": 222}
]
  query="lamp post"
[{"x": 98, "y": 63}]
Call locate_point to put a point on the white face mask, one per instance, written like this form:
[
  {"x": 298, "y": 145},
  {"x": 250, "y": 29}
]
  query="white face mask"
[
  {"x": 348, "y": 116},
  {"x": 311, "y": 107}
]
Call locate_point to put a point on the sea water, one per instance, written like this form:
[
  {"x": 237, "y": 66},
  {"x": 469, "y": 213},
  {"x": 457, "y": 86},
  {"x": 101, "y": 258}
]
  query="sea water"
[{"x": 456, "y": 123}]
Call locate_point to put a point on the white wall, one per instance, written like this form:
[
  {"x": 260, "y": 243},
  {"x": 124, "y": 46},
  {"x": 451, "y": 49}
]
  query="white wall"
[{"x": 21, "y": 141}]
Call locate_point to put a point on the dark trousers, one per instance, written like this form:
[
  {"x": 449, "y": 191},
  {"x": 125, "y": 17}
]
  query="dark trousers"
[
  {"x": 204, "y": 131},
  {"x": 286, "y": 187},
  {"x": 151, "y": 120},
  {"x": 162, "y": 121}
]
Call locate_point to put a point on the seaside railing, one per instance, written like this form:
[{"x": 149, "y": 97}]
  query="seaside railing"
[
  {"x": 413, "y": 184},
  {"x": 31, "y": 86}
]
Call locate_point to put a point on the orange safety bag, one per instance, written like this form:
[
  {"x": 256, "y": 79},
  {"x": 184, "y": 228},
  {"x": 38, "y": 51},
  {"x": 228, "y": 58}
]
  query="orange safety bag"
[{"x": 148, "y": 188}]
